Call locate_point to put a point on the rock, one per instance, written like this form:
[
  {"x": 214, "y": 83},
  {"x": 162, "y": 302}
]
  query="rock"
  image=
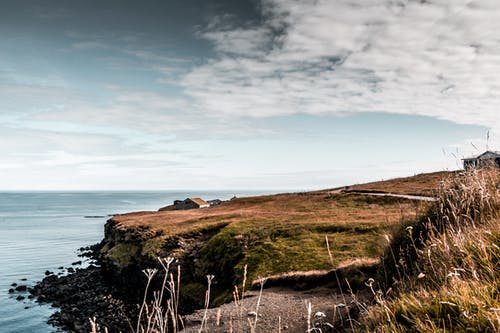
[
  {"x": 60, "y": 267},
  {"x": 71, "y": 270},
  {"x": 11, "y": 291},
  {"x": 20, "y": 298},
  {"x": 21, "y": 288},
  {"x": 14, "y": 285},
  {"x": 47, "y": 272},
  {"x": 24, "y": 279},
  {"x": 80, "y": 296},
  {"x": 79, "y": 262}
]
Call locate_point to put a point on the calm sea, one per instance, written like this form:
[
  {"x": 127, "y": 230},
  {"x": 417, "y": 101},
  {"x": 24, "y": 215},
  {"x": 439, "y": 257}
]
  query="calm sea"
[{"x": 42, "y": 231}]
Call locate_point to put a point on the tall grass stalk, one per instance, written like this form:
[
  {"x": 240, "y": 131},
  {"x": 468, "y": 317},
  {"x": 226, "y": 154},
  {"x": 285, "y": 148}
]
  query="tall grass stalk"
[
  {"x": 446, "y": 267},
  {"x": 253, "y": 325},
  {"x": 207, "y": 302}
]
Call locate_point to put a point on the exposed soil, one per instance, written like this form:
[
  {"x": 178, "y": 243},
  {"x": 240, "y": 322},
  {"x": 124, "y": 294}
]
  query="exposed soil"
[{"x": 283, "y": 309}]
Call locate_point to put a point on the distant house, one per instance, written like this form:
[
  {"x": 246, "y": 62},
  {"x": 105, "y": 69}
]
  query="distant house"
[
  {"x": 190, "y": 203},
  {"x": 214, "y": 202},
  {"x": 485, "y": 159}
]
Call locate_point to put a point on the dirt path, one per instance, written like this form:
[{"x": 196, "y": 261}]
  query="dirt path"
[
  {"x": 384, "y": 194},
  {"x": 280, "y": 310},
  {"x": 403, "y": 196}
]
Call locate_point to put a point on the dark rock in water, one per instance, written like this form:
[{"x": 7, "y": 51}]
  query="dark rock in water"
[
  {"x": 79, "y": 262},
  {"x": 60, "y": 267},
  {"x": 24, "y": 279},
  {"x": 21, "y": 288},
  {"x": 14, "y": 285},
  {"x": 91, "y": 252},
  {"x": 47, "y": 272},
  {"x": 20, "y": 298},
  {"x": 26, "y": 307},
  {"x": 11, "y": 291},
  {"x": 82, "y": 295},
  {"x": 31, "y": 296}
]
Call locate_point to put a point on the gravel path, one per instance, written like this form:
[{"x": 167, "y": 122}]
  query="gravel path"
[
  {"x": 403, "y": 196},
  {"x": 280, "y": 310},
  {"x": 384, "y": 194}
]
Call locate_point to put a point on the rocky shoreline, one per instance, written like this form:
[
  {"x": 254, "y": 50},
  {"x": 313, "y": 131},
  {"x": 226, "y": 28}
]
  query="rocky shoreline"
[{"x": 82, "y": 294}]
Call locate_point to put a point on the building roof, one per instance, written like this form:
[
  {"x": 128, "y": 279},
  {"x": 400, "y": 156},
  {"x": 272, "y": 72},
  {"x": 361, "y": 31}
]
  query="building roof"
[
  {"x": 199, "y": 201},
  {"x": 496, "y": 153}
]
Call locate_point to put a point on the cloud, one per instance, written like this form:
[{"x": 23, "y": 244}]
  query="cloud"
[
  {"x": 141, "y": 113},
  {"x": 430, "y": 58},
  {"x": 134, "y": 110}
]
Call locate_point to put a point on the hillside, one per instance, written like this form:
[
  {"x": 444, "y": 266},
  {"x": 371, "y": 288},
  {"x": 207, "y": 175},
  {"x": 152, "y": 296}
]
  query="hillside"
[
  {"x": 292, "y": 225},
  {"x": 271, "y": 234}
]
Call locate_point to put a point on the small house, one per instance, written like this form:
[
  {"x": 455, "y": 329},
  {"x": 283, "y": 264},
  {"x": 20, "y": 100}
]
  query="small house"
[
  {"x": 485, "y": 159},
  {"x": 190, "y": 203},
  {"x": 214, "y": 202}
]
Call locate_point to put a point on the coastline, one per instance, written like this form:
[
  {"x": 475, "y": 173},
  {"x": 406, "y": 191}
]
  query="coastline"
[
  {"x": 272, "y": 234},
  {"x": 82, "y": 294}
]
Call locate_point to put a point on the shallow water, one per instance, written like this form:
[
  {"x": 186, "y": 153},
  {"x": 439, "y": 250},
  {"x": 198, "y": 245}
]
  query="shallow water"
[{"x": 42, "y": 231}]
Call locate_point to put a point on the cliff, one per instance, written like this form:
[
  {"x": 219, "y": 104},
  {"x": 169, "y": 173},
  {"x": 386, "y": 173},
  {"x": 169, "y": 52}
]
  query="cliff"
[{"x": 270, "y": 234}]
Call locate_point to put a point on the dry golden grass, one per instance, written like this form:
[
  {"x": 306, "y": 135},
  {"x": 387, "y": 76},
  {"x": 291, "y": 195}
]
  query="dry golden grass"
[
  {"x": 447, "y": 271},
  {"x": 302, "y": 208},
  {"x": 275, "y": 234}
]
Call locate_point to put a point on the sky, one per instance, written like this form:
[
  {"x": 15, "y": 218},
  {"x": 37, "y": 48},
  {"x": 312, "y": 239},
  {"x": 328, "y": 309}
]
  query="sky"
[{"x": 247, "y": 94}]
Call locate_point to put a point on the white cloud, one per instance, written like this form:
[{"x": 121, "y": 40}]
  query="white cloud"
[
  {"x": 141, "y": 113},
  {"x": 438, "y": 59}
]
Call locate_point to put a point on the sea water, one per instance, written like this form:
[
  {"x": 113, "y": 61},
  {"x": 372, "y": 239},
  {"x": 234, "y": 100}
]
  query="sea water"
[{"x": 42, "y": 231}]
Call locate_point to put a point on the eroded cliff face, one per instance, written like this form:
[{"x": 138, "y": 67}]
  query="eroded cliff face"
[
  {"x": 127, "y": 251},
  {"x": 123, "y": 257}
]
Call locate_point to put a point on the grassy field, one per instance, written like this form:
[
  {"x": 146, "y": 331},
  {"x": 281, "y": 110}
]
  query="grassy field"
[{"x": 285, "y": 232}]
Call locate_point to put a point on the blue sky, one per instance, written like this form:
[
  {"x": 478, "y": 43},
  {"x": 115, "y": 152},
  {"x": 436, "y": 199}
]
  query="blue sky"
[{"x": 271, "y": 94}]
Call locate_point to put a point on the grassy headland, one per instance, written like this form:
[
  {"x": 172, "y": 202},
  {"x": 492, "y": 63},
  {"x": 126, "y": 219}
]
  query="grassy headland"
[
  {"x": 438, "y": 261},
  {"x": 270, "y": 234}
]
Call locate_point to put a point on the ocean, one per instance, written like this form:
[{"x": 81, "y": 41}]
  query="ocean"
[{"x": 42, "y": 231}]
